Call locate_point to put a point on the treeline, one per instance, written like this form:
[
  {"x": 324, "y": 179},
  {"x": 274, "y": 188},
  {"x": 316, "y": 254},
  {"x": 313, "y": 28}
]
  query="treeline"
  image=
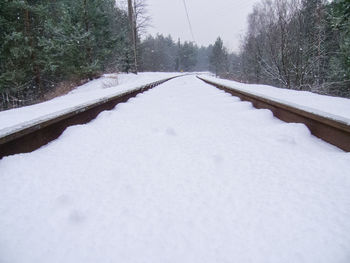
[
  {"x": 50, "y": 46},
  {"x": 298, "y": 44},
  {"x": 295, "y": 44},
  {"x": 44, "y": 42},
  {"x": 161, "y": 53}
]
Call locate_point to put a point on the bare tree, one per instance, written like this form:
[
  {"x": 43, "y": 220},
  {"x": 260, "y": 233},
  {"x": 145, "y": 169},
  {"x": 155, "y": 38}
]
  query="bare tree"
[
  {"x": 285, "y": 43},
  {"x": 142, "y": 18}
]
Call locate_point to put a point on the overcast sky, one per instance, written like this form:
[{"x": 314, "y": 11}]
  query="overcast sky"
[{"x": 209, "y": 19}]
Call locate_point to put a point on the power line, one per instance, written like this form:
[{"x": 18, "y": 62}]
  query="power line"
[{"x": 189, "y": 21}]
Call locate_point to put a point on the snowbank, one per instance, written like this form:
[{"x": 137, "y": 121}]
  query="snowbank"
[
  {"x": 107, "y": 85},
  {"x": 331, "y": 107}
]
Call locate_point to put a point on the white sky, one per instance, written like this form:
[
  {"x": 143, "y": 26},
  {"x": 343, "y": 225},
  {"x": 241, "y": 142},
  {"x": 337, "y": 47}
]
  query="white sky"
[{"x": 210, "y": 19}]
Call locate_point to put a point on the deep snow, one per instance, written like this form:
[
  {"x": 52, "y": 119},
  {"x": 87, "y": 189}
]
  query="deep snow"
[
  {"x": 181, "y": 173},
  {"x": 331, "y": 107},
  {"x": 107, "y": 85}
]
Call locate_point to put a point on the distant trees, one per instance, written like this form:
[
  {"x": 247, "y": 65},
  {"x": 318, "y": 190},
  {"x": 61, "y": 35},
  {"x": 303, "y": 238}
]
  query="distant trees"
[
  {"x": 158, "y": 54},
  {"x": 187, "y": 56},
  {"x": 295, "y": 44},
  {"x": 299, "y": 44},
  {"x": 203, "y": 58},
  {"x": 161, "y": 53},
  {"x": 219, "y": 57}
]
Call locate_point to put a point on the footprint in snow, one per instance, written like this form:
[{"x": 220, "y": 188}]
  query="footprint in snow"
[
  {"x": 76, "y": 217},
  {"x": 286, "y": 139},
  {"x": 170, "y": 132},
  {"x": 217, "y": 159},
  {"x": 63, "y": 200}
]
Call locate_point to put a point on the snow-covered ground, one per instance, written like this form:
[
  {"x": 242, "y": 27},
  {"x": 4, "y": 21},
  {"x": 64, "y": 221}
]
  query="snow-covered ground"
[
  {"x": 181, "y": 173},
  {"x": 107, "y": 85},
  {"x": 328, "y": 106}
]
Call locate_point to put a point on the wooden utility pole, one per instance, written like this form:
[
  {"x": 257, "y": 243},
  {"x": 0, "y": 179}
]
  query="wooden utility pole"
[{"x": 132, "y": 24}]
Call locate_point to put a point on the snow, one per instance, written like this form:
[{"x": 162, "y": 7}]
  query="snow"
[
  {"x": 108, "y": 85},
  {"x": 181, "y": 173},
  {"x": 327, "y": 106}
]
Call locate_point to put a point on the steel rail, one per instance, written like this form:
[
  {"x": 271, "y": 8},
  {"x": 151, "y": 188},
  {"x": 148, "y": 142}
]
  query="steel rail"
[
  {"x": 34, "y": 135},
  {"x": 332, "y": 131}
]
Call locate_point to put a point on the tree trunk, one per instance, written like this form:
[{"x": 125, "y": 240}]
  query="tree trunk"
[
  {"x": 35, "y": 66},
  {"x": 133, "y": 33},
  {"x": 87, "y": 28}
]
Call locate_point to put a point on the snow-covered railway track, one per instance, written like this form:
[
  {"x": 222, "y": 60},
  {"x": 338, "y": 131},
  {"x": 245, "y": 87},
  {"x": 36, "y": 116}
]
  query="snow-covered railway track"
[
  {"x": 29, "y": 137},
  {"x": 184, "y": 172},
  {"x": 332, "y": 131},
  {"x": 36, "y": 134},
  {"x": 181, "y": 173}
]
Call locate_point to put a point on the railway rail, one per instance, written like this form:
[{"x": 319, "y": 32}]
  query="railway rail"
[
  {"x": 185, "y": 171},
  {"x": 332, "y": 131},
  {"x": 33, "y": 136}
]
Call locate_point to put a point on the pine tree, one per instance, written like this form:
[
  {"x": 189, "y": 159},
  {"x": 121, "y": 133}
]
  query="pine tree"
[
  {"x": 187, "y": 56},
  {"x": 218, "y": 58},
  {"x": 341, "y": 22},
  {"x": 44, "y": 42},
  {"x": 21, "y": 62}
]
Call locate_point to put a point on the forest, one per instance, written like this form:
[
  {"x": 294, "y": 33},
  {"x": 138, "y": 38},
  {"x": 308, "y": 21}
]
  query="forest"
[
  {"x": 300, "y": 44},
  {"x": 47, "y": 45}
]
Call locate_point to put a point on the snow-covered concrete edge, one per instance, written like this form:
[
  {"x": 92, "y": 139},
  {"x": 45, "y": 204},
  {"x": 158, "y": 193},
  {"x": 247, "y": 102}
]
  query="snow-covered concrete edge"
[
  {"x": 37, "y": 123},
  {"x": 319, "y": 113}
]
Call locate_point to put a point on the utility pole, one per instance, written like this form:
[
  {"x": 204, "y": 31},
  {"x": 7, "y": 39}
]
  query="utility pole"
[{"x": 132, "y": 24}]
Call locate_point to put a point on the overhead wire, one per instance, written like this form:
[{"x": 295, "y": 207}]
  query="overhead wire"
[{"x": 188, "y": 20}]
